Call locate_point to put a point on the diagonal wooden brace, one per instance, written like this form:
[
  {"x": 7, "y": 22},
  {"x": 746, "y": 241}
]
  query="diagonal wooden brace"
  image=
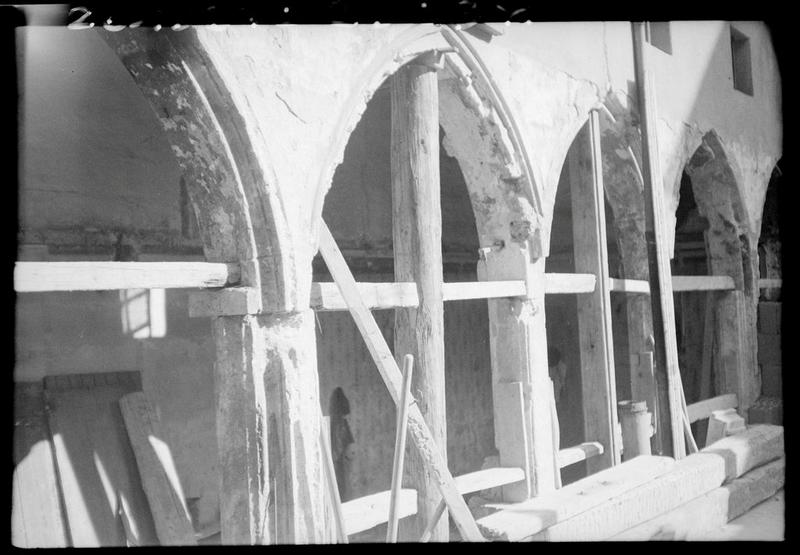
[{"x": 430, "y": 453}]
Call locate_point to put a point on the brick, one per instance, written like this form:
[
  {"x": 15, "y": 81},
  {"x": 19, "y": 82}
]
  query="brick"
[{"x": 769, "y": 349}]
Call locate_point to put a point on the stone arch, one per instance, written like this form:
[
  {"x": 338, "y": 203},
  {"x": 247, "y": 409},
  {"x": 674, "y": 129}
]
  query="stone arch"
[
  {"x": 730, "y": 250},
  {"x": 715, "y": 184},
  {"x": 264, "y": 439},
  {"x": 477, "y": 126},
  {"x": 238, "y": 217}
]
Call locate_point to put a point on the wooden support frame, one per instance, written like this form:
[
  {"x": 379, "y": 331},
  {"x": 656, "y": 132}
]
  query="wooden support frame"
[
  {"x": 598, "y": 380},
  {"x": 680, "y": 284},
  {"x": 666, "y": 347},
  {"x": 417, "y": 233},
  {"x": 100, "y": 276},
  {"x": 390, "y": 372},
  {"x": 521, "y": 386}
]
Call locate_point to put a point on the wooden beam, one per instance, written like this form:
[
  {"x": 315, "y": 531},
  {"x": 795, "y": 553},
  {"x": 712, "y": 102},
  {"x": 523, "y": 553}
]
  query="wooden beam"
[
  {"x": 571, "y": 455},
  {"x": 702, "y": 283},
  {"x": 689, "y": 478},
  {"x": 157, "y": 471},
  {"x": 399, "y": 450},
  {"x": 427, "y": 447},
  {"x": 630, "y": 286},
  {"x": 600, "y": 419},
  {"x": 765, "y": 283},
  {"x": 569, "y": 283},
  {"x": 475, "y": 481},
  {"x": 101, "y": 276},
  {"x": 701, "y": 517},
  {"x": 680, "y": 284},
  {"x": 666, "y": 346},
  {"x": 417, "y": 240},
  {"x": 520, "y": 521},
  {"x": 749, "y": 449},
  {"x": 369, "y": 511},
  {"x": 459, "y": 291},
  {"x": 703, "y": 409},
  {"x": 325, "y": 296}
]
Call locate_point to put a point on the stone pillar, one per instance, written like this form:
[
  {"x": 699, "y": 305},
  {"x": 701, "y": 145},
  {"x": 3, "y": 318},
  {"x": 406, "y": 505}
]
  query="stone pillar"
[{"x": 268, "y": 429}]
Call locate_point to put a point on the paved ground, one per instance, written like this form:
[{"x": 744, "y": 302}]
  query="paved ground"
[{"x": 764, "y": 522}]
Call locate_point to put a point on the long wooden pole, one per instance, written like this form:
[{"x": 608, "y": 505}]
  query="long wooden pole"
[
  {"x": 330, "y": 480},
  {"x": 598, "y": 380},
  {"x": 399, "y": 450},
  {"x": 666, "y": 345},
  {"x": 417, "y": 232}
]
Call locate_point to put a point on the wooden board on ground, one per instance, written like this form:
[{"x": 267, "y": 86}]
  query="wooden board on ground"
[
  {"x": 692, "y": 476},
  {"x": 712, "y": 510},
  {"x": 157, "y": 470},
  {"x": 94, "y": 458},
  {"x": 757, "y": 445},
  {"x": 37, "y": 519},
  {"x": 390, "y": 373},
  {"x": 520, "y": 521}
]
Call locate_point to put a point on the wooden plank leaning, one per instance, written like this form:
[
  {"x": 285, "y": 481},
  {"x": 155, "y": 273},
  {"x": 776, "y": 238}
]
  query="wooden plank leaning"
[
  {"x": 330, "y": 481},
  {"x": 399, "y": 450},
  {"x": 157, "y": 469},
  {"x": 387, "y": 366},
  {"x": 666, "y": 346}
]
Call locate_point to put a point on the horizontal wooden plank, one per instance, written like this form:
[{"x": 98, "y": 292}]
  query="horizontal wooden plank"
[
  {"x": 764, "y": 283},
  {"x": 488, "y": 478},
  {"x": 630, "y": 286},
  {"x": 519, "y": 521},
  {"x": 679, "y": 284},
  {"x": 746, "y": 450},
  {"x": 702, "y": 283},
  {"x": 578, "y": 453},
  {"x": 555, "y": 284},
  {"x": 703, "y": 409},
  {"x": 369, "y": 511},
  {"x": 325, "y": 296},
  {"x": 101, "y": 276},
  {"x": 460, "y": 291}
]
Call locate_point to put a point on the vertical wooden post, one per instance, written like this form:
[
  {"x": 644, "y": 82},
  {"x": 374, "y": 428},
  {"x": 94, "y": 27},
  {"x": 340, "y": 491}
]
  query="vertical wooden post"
[
  {"x": 661, "y": 297},
  {"x": 266, "y": 385},
  {"x": 417, "y": 230},
  {"x": 594, "y": 310},
  {"x": 521, "y": 387}
]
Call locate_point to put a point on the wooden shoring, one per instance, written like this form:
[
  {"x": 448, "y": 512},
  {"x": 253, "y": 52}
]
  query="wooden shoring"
[
  {"x": 594, "y": 311},
  {"x": 417, "y": 250},
  {"x": 666, "y": 346},
  {"x": 103, "y": 276},
  {"x": 430, "y": 452}
]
